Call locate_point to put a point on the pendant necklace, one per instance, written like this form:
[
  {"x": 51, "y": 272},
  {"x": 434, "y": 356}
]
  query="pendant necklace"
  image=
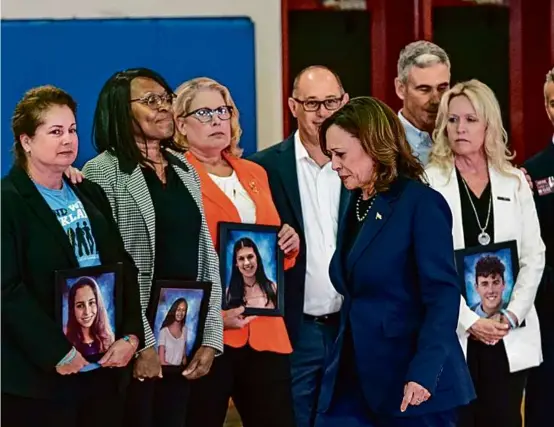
[{"x": 483, "y": 238}]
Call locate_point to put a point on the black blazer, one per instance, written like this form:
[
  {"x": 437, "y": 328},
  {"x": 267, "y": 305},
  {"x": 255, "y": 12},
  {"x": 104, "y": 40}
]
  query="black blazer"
[
  {"x": 279, "y": 161},
  {"x": 34, "y": 245},
  {"x": 541, "y": 167}
]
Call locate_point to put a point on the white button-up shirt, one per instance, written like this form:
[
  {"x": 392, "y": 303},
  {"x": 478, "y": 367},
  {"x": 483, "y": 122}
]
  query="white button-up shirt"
[{"x": 320, "y": 189}]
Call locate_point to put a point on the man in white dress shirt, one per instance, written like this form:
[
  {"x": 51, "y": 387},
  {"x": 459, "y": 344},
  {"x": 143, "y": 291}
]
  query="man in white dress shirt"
[{"x": 309, "y": 196}]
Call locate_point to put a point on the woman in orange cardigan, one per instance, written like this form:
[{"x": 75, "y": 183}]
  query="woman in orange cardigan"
[{"x": 254, "y": 369}]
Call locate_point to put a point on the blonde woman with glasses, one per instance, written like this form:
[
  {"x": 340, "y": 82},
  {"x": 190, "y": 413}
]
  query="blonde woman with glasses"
[
  {"x": 254, "y": 368},
  {"x": 491, "y": 202}
]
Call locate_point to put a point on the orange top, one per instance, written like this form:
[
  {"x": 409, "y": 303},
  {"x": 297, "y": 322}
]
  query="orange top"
[{"x": 262, "y": 333}]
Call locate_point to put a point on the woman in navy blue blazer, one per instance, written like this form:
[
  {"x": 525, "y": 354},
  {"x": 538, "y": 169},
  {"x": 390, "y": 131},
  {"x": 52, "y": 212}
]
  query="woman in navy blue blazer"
[{"x": 397, "y": 360}]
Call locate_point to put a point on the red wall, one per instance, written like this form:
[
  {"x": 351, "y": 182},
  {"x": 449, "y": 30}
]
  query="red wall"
[{"x": 396, "y": 23}]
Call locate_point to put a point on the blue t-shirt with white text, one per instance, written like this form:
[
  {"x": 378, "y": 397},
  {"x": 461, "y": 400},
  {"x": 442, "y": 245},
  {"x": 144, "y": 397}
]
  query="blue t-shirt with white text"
[{"x": 74, "y": 219}]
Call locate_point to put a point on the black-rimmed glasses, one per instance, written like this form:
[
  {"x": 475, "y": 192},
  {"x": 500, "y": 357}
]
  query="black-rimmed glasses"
[
  {"x": 311, "y": 105},
  {"x": 205, "y": 115},
  {"x": 155, "y": 101}
]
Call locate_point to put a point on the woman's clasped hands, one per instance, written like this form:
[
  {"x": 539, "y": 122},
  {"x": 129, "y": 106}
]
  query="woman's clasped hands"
[{"x": 490, "y": 331}]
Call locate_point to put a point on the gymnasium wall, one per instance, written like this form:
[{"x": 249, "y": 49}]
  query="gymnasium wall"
[{"x": 78, "y": 44}]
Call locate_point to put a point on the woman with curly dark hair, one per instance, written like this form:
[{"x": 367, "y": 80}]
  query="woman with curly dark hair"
[{"x": 396, "y": 360}]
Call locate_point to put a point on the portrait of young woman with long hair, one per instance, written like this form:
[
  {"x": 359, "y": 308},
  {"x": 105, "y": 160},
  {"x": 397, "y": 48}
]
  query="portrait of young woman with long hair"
[
  {"x": 173, "y": 335},
  {"x": 88, "y": 325},
  {"x": 249, "y": 284}
]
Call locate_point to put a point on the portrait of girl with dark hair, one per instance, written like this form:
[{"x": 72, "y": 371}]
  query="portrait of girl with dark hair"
[
  {"x": 88, "y": 326},
  {"x": 249, "y": 284},
  {"x": 173, "y": 335}
]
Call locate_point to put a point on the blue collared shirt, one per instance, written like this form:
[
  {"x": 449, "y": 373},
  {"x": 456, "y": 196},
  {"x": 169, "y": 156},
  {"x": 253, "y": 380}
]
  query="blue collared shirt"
[
  {"x": 420, "y": 141},
  {"x": 478, "y": 309}
]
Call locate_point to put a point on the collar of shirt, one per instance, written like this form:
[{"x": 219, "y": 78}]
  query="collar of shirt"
[
  {"x": 479, "y": 311},
  {"x": 552, "y": 139},
  {"x": 302, "y": 155},
  {"x": 299, "y": 149},
  {"x": 416, "y": 138}
]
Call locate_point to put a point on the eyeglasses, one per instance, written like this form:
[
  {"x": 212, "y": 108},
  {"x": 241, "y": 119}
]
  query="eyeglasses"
[
  {"x": 155, "y": 101},
  {"x": 311, "y": 105},
  {"x": 206, "y": 115}
]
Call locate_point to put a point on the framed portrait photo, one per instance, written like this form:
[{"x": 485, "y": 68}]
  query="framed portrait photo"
[
  {"x": 251, "y": 264},
  {"x": 89, "y": 308},
  {"x": 488, "y": 275},
  {"x": 177, "y": 316}
]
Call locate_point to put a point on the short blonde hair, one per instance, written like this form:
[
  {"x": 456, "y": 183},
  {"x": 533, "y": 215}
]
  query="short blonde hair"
[
  {"x": 181, "y": 106},
  {"x": 488, "y": 110}
]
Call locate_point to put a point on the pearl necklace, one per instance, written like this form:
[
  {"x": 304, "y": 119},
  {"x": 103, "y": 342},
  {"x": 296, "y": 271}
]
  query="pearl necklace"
[{"x": 364, "y": 216}]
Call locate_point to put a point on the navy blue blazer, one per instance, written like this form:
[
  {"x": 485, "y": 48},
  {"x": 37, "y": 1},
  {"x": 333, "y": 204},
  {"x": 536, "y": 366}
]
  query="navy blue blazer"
[
  {"x": 279, "y": 161},
  {"x": 402, "y": 299}
]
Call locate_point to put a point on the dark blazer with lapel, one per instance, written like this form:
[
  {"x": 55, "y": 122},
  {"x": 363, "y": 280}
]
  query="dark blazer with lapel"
[
  {"x": 124, "y": 184},
  {"x": 402, "y": 299},
  {"x": 541, "y": 166},
  {"x": 279, "y": 161},
  {"x": 34, "y": 245}
]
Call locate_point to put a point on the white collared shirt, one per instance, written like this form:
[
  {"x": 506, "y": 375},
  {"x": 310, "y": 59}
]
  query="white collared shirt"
[
  {"x": 320, "y": 189},
  {"x": 234, "y": 190},
  {"x": 420, "y": 141}
]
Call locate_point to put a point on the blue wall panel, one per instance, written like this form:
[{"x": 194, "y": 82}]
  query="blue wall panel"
[{"x": 80, "y": 55}]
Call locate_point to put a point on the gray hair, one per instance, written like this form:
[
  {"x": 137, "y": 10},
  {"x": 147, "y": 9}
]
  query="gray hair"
[
  {"x": 550, "y": 76},
  {"x": 421, "y": 54}
]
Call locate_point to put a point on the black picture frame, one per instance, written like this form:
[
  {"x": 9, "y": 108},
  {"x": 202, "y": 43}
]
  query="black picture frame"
[
  {"x": 166, "y": 294},
  {"x": 493, "y": 257},
  {"x": 105, "y": 281},
  {"x": 265, "y": 241}
]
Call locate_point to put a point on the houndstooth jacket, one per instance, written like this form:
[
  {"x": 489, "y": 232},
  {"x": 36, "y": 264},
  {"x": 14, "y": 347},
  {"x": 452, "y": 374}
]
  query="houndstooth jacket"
[{"x": 132, "y": 206}]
